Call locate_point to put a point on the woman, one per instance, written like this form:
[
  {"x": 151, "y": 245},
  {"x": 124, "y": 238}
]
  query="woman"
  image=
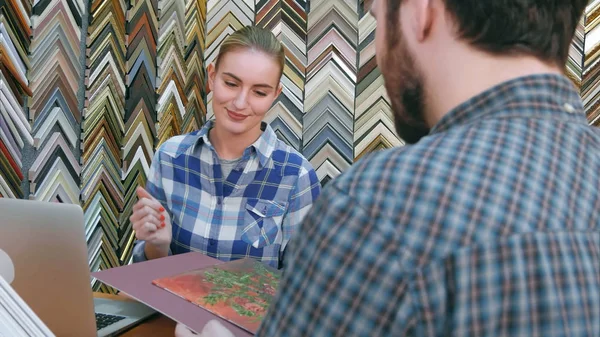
[{"x": 232, "y": 189}]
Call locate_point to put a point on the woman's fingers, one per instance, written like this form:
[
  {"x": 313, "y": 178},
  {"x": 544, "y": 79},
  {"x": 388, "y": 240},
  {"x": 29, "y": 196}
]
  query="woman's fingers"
[
  {"x": 148, "y": 202},
  {"x": 150, "y": 228},
  {"x": 147, "y": 217},
  {"x": 141, "y": 213},
  {"x": 144, "y": 215},
  {"x": 145, "y": 231}
]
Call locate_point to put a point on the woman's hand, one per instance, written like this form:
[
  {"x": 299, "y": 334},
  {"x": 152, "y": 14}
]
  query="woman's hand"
[{"x": 150, "y": 221}]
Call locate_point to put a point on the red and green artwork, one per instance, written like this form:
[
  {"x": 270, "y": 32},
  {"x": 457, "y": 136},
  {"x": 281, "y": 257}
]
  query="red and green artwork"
[{"x": 239, "y": 291}]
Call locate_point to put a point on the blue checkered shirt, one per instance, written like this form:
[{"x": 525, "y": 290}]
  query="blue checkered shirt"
[
  {"x": 489, "y": 226},
  {"x": 253, "y": 212}
]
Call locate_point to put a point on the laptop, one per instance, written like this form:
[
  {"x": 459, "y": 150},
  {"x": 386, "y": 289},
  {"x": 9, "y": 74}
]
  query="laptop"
[{"x": 44, "y": 258}]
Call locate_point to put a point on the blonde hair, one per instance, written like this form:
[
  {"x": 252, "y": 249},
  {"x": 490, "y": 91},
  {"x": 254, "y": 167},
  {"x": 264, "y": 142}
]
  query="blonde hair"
[{"x": 254, "y": 38}]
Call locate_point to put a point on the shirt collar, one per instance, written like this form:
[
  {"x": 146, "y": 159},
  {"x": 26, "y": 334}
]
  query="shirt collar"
[
  {"x": 542, "y": 95},
  {"x": 263, "y": 146}
]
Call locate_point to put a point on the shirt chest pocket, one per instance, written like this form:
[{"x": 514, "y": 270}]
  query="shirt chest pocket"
[{"x": 262, "y": 222}]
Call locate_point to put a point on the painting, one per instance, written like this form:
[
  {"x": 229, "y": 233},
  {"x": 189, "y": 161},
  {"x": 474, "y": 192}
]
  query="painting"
[{"x": 238, "y": 291}]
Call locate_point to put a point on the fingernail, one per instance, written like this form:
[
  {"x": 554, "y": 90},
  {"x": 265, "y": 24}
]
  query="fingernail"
[
  {"x": 161, "y": 209},
  {"x": 162, "y": 225},
  {"x": 162, "y": 217}
]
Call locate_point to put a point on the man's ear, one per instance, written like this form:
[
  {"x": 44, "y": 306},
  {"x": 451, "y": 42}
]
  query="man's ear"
[
  {"x": 211, "y": 76},
  {"x": 421, "y": 17}
]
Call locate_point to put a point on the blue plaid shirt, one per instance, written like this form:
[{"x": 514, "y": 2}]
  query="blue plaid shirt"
[
  {"x": 489, "y": 226},
  {"x": 253, "y": 212}
]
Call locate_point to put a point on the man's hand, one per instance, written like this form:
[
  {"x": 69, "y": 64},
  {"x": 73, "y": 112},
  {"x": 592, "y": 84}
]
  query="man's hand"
[
  {"x": 213, "y": 328},
  {"x": 151, "y": 222},
  {"x": 183, "y": 331}
]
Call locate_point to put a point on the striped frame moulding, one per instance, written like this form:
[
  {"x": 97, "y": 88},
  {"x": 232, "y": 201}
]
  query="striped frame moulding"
[{"x": 90, "y": 89}]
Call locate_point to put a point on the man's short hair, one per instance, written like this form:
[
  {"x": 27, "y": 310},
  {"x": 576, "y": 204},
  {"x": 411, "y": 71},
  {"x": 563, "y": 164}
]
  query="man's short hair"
[{"x": 540, "y": 28}]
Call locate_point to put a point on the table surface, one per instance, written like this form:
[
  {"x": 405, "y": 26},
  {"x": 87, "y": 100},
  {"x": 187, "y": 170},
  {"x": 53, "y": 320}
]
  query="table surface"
[{"x": 157, "y": 325}]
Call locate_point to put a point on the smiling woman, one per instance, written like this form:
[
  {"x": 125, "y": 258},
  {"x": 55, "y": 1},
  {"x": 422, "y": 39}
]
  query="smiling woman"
[
  {"x": 231, "y": 189},
  {"x": 245, "y": 82}
]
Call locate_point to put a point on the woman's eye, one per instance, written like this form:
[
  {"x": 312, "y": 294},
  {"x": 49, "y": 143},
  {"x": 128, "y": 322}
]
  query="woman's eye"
[
  {"x": 261, "y": 94},
  {"x": 230, "y": 84}
]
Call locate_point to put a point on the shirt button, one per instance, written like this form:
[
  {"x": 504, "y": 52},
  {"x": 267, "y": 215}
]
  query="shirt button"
[
  {"x": 219, "y": 201},
  {"x": 569, "y": 108}
]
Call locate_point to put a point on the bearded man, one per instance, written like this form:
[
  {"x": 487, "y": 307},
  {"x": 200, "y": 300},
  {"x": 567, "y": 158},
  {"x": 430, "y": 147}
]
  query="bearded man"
[{"x": 487, "y": 222}]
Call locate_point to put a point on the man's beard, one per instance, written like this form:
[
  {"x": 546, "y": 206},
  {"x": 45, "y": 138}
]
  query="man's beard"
[{"x": 404, "y": 85}]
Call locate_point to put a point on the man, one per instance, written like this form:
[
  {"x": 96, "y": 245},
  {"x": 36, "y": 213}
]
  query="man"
[{"x": 487, "y": 224}]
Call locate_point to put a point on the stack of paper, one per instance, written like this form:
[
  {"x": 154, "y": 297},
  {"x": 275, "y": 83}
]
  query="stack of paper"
[{"x": 16, "y": 318}]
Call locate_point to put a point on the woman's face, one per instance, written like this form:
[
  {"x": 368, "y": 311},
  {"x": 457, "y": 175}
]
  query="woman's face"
[{"x": 244, "y": 88}]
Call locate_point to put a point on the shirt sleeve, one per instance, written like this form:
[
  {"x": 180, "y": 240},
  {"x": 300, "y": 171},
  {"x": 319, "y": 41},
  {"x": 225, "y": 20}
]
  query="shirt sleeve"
[
  {"x": 154, "y": 184},
  {"x": 343, "y": 276},
  {"x": 302, "y": 197},
  {"x": 155, "y": 188}
]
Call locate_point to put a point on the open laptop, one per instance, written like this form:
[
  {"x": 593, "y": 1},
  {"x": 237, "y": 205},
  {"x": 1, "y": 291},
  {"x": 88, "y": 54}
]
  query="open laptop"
[{"x": 45, "y": 250}]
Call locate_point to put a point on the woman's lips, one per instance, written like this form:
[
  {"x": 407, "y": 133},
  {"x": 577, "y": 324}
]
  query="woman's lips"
[{"x": 235, "y": 116}]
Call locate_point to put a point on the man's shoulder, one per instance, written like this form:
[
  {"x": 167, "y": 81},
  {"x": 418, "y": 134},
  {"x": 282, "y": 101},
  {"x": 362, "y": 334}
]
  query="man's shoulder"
[
  {"x": 386, "y": 179},
  {"x": 378, "y": 169}
]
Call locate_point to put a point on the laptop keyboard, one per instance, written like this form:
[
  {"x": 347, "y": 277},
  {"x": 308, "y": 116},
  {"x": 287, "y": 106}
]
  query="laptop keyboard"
[{"x": 104, "y": 320}]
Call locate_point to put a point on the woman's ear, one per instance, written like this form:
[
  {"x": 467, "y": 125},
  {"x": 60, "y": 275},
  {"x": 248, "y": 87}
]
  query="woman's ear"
[
  {"x": 211, "y": 76},
  {"x": 279, "y": 89}
]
